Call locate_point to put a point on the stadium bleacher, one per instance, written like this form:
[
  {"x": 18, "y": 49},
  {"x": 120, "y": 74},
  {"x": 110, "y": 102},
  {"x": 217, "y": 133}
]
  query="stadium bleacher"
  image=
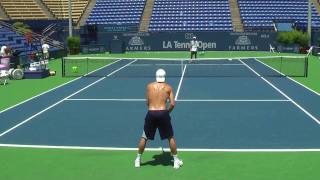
[
  {"x": 12, "y": 39},
  {"x": 23, "y": 9},
  {"x": 194, "y": 15},
  {"x": 260, "y": 14},
  {"x": 117, "y": 12},
  {"x": 171, "y": 15},
  {"x": 60, "y": 8}
]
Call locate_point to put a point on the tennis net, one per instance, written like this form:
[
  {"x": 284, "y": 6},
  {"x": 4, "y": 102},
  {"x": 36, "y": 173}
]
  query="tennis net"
[{"x": 273, "y": 66}]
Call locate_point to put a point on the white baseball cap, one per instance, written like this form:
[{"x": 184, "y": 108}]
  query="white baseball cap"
[{"x": 161, "y": 75}]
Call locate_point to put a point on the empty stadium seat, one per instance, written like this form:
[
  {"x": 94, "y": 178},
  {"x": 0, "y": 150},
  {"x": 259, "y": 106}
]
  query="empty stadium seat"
[
  {"x": 187, "y": 15},
  {"x": 23, "y": 9},
  {"x": 12, "y": 39},
  {"x": 117, "y": 12},
  {"x": 60, "y": 8},
  {"x": 261, "y": 14}
]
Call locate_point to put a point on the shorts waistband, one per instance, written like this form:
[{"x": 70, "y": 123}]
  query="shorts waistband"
[{"x": 158, "y": 110}]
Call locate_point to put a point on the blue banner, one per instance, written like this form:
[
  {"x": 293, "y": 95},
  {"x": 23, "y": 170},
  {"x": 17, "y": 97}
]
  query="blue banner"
[{"x": 180, "y": 41}]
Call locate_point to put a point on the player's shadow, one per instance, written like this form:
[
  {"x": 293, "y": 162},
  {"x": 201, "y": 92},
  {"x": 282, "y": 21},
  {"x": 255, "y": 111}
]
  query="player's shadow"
[{"x": 163, "y": 159}]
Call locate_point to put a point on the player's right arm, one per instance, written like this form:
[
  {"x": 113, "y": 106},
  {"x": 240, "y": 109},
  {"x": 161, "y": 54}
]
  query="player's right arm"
[
  {"x": 171, "y": 99},
  {"x": 147, "y": 94}
]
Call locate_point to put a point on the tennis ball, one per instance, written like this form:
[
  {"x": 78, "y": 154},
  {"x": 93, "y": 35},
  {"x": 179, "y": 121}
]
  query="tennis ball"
[{"x": 74, "y": 69}]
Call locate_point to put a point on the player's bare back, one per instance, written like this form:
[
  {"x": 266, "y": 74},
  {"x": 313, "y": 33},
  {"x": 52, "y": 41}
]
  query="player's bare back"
[{"x": 157, "y": 95}]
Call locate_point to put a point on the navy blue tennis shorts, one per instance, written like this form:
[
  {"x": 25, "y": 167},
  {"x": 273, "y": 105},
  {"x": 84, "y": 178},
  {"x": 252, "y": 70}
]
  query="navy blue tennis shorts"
[{"x": 158, "y": 119}]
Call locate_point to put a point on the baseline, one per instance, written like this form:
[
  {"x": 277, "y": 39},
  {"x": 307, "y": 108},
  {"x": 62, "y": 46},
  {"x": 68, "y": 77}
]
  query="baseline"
[{"x": 153, "y": 149}]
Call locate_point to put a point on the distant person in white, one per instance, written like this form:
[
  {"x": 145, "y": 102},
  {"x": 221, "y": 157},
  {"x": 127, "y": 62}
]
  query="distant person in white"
[
  {"x": 45, "y": 51},
  {"x": 194, "y": 48},
  {"x": 5, "y": 58},
  {"x": 3, "y": 52}
]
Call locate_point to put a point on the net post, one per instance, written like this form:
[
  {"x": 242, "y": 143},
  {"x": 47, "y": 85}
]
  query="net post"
[
  {"x": 87, "y": 65},
  {"x": 63, "y": 67},
  {"x": 182, "y": 66},
  {"x": 281, "y": 59},
  {"x": 306, "y": 62}
]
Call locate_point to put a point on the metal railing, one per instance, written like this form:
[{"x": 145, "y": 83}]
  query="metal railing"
[{"x": 35, "y": 36}]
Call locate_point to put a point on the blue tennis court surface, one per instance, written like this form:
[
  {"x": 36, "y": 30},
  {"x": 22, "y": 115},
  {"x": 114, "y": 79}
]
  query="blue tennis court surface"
[{"x": 235, "y": 112}]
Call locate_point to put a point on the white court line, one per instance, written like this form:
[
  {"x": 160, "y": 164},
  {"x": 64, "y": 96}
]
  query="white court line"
[
  {"x": 285, "y": 95},
  {"x": 71, "y": 99},
  {"x": 180, "y": 83},
  {"x": 233, "y": 100},
  {"x": 289, "y": 78},
  {"x": 188, "y": 65},
  {"x": 134, "y": 65},
  {"x": 102, "y": 67},
  {"x": 55, "y": 104},
  {"x": 113, "y": 72},
  {"x": 215, "y": 64},
  {"x": 154, "y": 149},
  {"x": 53, "y": 89},
  {"x": 190, "y": 100}
]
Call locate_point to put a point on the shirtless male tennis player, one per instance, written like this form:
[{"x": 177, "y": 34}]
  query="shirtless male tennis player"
[{"x": 158, "y": 117}]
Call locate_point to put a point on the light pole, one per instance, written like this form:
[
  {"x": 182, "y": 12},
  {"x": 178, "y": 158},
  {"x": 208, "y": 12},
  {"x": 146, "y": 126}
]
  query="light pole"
[
  {"x": 309, "y": 21},
  {"x": 70, "y": 17}
]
